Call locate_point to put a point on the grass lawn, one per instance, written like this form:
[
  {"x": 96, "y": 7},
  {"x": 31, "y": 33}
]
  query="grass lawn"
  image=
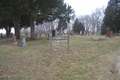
[{"x": 87, "y": 60}]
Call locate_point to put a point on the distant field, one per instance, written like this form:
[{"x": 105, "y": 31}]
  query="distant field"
[{"x": 89, "y": 59}]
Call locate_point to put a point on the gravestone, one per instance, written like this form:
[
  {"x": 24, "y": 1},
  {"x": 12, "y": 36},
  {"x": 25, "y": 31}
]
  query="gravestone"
[
  {"x": 26, "y": 34},
  {"x": 89, "y": 34},
  {"x": 54, "y": 33},
  {"x": 48, "y": 36},
  {"x": 36, "y": 35},
  {"x": 40, "y": 35},
  {"x": 117, "y": 34},
  {"x": 109, "y": 34},
  {"x": 80, "y": 32},
  {"x": 22, "y": 42},
  {"x": 97, "y": 33},
  {"x": 84, "y": 33},
  {"x": 14, "y": 40},
  {"x": 72, "y": 34},
  {"x": 5, "y": 40},
  {"x": 11, "y": 34},
  {"x": 1, "y": 35}
]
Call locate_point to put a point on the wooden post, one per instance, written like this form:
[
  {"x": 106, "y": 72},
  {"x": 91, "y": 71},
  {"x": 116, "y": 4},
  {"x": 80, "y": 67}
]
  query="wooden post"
[
  {"x": 51, "y": 44},
  {"x": 68, "y": 45}
]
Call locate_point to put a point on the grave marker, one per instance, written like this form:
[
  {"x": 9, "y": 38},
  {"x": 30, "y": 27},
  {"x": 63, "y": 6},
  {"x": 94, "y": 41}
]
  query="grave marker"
[
  {"x": 14, "y": 40},
  {"x": 54, "y": 33},
  {"x": 1, "y": 35},
  {"x": 109, "y": 34},
  {"x": 22, "y": 41},
  {"x": 48, "y": 36}
]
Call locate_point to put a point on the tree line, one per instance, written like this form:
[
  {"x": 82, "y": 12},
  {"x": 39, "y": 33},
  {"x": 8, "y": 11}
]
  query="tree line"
[
  {"x": 112, "y": 16},
  {"x": 90, "y": 23},
  {"x": 103, "y": 19},
  {"x": 23, "y": 13}
]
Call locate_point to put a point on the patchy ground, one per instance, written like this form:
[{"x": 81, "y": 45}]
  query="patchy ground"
[{"x": 87, "y": 60}]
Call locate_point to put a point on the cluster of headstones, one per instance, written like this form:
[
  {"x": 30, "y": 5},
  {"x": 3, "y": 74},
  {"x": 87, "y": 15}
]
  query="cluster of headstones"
[{"x": 21, "y": 42}]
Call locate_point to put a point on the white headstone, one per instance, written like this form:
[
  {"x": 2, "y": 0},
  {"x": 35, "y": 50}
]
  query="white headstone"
[{"x": 22, "y": 42}]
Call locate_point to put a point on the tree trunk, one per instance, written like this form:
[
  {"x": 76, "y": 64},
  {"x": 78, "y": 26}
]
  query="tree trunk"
[
  {"x": 32, "y": 27},
  {"x": 16, "y": 21},
  {"x": 115, "y": 31},
  {"x": 8, "y": 31}
]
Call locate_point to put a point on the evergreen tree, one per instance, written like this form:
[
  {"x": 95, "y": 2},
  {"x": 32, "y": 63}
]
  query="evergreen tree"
[
  {"x": 64, "y": 14},
  {"x": 112, "y": 15},
  {"x": 34, "y": 10},
  {"x": 78, "y": 26},
  {"x": 103, "y": 29}
]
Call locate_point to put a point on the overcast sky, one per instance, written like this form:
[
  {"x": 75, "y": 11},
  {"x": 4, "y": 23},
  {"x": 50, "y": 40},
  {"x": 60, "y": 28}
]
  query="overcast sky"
[
  {"x": 82, "y": 7},
  {"x": 85, "y": 7}
]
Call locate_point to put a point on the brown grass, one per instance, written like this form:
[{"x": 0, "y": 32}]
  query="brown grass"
[{"x": 87, "y": 60}]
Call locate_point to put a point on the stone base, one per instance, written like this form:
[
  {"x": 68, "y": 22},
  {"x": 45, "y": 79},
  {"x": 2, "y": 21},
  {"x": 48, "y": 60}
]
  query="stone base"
[
  {"x": 22, "y": 41},
  {"x": 15, "y": 43},
  {"x": 110, "y": 36},
  {"x": 23, "y": 45}
]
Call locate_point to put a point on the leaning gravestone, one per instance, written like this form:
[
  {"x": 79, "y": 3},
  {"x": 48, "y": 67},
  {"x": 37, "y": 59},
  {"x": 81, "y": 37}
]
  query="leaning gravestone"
[
  {"x": 22, "y": 42},
  {"x": 14, "y": 40}
]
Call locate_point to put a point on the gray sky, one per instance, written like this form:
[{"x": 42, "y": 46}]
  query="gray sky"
[
  {"x": 85, "y": 7},
  {"x": 82, "y": 7}
]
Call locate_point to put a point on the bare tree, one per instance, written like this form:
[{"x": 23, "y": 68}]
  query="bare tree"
[
  {"x": 94, "y": 21},
  {"x": 46, "y": 27},
  {"x": 86, "y": 20},
  {"x": 97, "y": 18}
]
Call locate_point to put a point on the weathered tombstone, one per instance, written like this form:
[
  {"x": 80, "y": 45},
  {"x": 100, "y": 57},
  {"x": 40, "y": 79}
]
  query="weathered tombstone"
[
  {"x": 109, "y": 34},
  {"x": 45, "y": 34},
  {"x": 22, "y": 42},
  {"x": 54, "y": 33},
  {"x": 40, "y": 35},
  {"x": 97, "y": 33},
  {"x": 89, "y": 34},
  {"x": 5, "y": 40},
  {"x": 11, "y": 34},
  {"x": 101, "y": 39},
  {"x": 14, "y": 40},
  {"x": 48, "y": 36},
  {"x": 80, "y": 32},
  {"x": 1, "y": 35},
  {"x": 27, "y": 38},
  {"x": 117, "y": 34},
  {"x": 26, "y": 34},
  {"x": 84, "y": 33},
  {"x": 72, "y": 34},
  {"x": 36, "y": 35}
]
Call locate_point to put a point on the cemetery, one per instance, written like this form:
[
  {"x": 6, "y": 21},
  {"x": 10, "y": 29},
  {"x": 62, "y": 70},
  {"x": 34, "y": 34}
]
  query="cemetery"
[
  {"x": 47, "y": 40},
  {"x": 32, "y": 59}
]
